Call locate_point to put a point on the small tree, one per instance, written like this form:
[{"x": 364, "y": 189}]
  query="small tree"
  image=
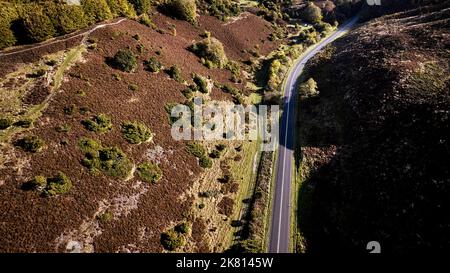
[
  {"x": 96, "y": 10},
  {"x": 38, "y": 27},
  {"x": 141, "y": 6},
  {"x": 183, "y": 9},
  {"x": 121, "y": 8},
  {"x": 211, "y": 51},
  {"x": 312, "y": 13},
  {"x": 308, "y": 89},
  {"x": 7, "y": 37},
  {"x": 124, "y": 60},
  {"x": 153, "y": 65}
]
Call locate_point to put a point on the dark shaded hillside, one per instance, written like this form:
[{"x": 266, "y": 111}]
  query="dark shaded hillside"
[{"x": 376, "y": 138}]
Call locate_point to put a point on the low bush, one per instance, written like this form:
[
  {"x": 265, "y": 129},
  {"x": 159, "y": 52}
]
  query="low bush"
[
  {"x": 110, "y": 160},
  {"x": 196, "y": 149},
  {"x": 124, "y": 60},
  {"x": 211, "y": 51},
  {"x": 171, "y": 240},
  {"x": 183, "y": 228},
  {"x": 30, "y": 144},
  {"x": 133, "y": 87},
  {"x": 223, "y": 9},
  {"x": 135, "y": 132},
  {"x": 63, "y": 128},
  {"x": 149, "y": 172},
  {"x": 201, "y": 84},
  {"x": 24, "y": 123},
  {"x": 215, "y": 154},
  {"x": 175, "y": 73},
  {"x": 5, "y": 123},
  {"x": 57, "y": 185},
  {"x": 153, "y": 65},
  {"x": 99, "y": 123},
  {"x": 205, "y": 162}
]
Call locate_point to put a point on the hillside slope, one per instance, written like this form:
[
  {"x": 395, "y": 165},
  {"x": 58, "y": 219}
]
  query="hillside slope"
[
  {"x": 374, "y": 142},
  {"x": 101, "y": 212}
]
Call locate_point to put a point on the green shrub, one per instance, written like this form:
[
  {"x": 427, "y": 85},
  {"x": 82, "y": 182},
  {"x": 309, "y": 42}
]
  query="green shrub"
[
  {"x": 149, "y": 172},
  {"x": 30, "y": 144},
  {"x": 205, "y": 162},
  {"x": 96, "y": 10},
  {"x": 121, "y": 8},
  {"x": 106, "y": 217},
  {"x": 308, "y": 89},
  {"x": 135, "y": 132},
  {"x": 63, "y": 128},
  {"x": 99, "y": 123},
  {"x": 59, "y": 184},
  {"x": 312, "y": 13},
  {"x": 70, "y": 110},
  {"x": 215, "y": 154},
  {"x": 211, "y": 51},
  {"x": 146, "y": 21},
  {"x": 196, "y": 149},
  {"x": 153, "y": 65},
  {"x": 183, "y": 228},
  {"x": 171, "y": 240},
  {"x": 182, "y": 9},
  {"x": 222, "y": 9},
  {"x": 141, "y": 6},
  {"x": 202, "y": 83},
  {"x": 188, "y": 93},
  {"x": 133, "y": 87},
  {"x": 124, "y": 60},
  {"x": 5, "y": 123},
  {"x": 234, "y": 68},
  {"x": 175, "y": 73},
  {"x": 110, "y": 160},
  {"x": 24, "y": 123},
  {"x": 38, "y": 182}
]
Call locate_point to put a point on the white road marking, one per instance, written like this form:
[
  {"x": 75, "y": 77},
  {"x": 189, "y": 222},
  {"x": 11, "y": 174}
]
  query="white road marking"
[{"x": 294, "y": 75}]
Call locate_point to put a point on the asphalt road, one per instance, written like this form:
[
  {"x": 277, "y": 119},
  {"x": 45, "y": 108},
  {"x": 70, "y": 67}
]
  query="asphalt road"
[{"x": 281, "y": 213}]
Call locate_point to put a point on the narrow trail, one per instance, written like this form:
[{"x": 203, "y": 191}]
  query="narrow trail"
[{"x": 61, "y": 40}]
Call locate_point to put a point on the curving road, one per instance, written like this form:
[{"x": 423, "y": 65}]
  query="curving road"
[{"x": 280, "y": 221}]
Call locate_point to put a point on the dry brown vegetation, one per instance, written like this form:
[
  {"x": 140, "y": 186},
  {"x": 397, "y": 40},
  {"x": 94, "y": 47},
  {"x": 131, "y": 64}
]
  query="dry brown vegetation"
[{"x": 101, "y": 213}]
